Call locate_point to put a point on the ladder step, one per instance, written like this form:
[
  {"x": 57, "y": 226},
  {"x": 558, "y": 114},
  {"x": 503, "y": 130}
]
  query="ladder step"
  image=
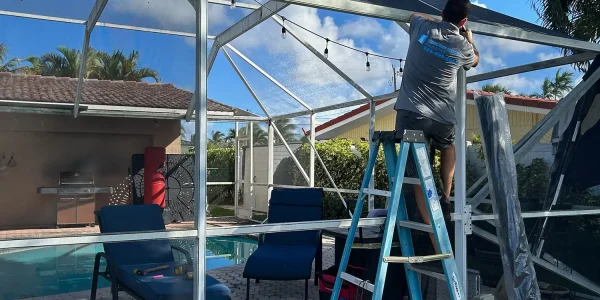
[
  {"x": 429, "y": 273},
  {"x": 410, "y": 180},
  {"x": 416, "y": 259},
  {"x": 416, "y": 226},
  {"x": 358, "y": 282},
  {"x": 397, "y": 220}
]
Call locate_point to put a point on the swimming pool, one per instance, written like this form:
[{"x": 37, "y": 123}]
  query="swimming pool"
[{"x": 65, "y": 269}]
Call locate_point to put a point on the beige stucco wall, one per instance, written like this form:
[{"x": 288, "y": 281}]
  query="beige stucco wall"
[
  {"x": 520, "y": 124},
  {"x": 44, "y": 145}
]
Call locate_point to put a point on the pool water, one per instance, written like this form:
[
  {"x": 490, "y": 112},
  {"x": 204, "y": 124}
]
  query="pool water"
[{"x": 65, "y": 269}]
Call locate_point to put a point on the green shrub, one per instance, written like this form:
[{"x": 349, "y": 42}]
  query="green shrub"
[
  {"x": 347, "y": 170},
  {"x": 533, "y": 181},
  {"x": 221, "y": 168}
]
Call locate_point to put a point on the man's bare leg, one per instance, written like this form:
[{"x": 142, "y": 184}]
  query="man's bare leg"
[
  {"x": 448, "y": 164},
  {"x": 424, "y": 211}
]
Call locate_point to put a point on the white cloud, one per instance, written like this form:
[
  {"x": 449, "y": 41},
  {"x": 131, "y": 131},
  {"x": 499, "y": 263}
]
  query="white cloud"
[
  {"x": 518, "y": 83},
  {"x": 476, "y": 2},
  {"x": 362, "y": 28},
  {"x": 308, "y": 70},
  {"x": 503, "y": 46},
  {"x": 173, "y": 14},
  {"x": 489, "y": 59},
  {"x": 546, "y": 56}
]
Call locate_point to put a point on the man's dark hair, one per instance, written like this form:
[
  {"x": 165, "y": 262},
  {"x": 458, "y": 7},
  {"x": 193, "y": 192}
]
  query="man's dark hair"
[{"x": 456, "y": 10}]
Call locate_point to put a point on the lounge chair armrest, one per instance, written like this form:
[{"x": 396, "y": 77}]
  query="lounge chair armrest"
[
  {"x": 108, "y": 260},
  {"x": 319, "y": 237},
  {"x": 188, "y": 257},
  {"x": 111, "y": 269}
]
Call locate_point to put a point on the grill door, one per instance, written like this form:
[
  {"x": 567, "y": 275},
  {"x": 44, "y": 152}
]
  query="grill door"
[
  {"x": 86, "y": 205},
  {"x": 66, "y": 210}
]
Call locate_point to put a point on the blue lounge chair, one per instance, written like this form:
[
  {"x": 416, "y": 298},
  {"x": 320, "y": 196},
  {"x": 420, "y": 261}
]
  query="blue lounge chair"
[
  {"x": 122, "y": 258},
  {"x": 288, "y": 255}
]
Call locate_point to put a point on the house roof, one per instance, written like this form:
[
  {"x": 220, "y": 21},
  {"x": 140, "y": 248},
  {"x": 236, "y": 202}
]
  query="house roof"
[
  {"x": 521, "y": 101},
  {"x": 50, "y": 89}
]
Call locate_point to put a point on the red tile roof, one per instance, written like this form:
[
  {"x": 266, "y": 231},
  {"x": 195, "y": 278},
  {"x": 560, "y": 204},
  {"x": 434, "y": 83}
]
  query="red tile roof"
[
  {"x": 35, "y": 88},
  {"x": 509, "y": 99}
]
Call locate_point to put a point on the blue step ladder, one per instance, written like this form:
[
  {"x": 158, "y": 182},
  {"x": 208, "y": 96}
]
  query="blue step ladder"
[{"x": 397, "y": 217}]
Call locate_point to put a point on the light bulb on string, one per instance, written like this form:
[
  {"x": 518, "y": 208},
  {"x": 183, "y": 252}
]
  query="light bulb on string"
[
  {"x": 400, "y": 69},
  {"x": 283, "y": 30},
  {"x": 326, "y": 51},
  {"x": 233, "y": 3}
]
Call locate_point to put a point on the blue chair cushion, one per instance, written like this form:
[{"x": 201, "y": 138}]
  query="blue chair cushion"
[
  {"x": 168, "y": 287},
  {"x": 277, "y": 262},
  {"x": 294, "y": 205},
  {"x": 135, "y": 218}
]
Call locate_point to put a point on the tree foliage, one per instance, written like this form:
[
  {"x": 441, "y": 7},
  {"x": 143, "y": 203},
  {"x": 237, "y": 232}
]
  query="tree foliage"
[
  {"x": 65, "y": 62},
  {"x": 347, "y": 167},
  {"x": 496, "y": 88},
  {"x": 557, "y": 87},
  {"x": 117, "y": 66},
  {"x": 10, "y": 65},
  {"x": 287, "y": 130},
  {"x": 577, "y": 18}
]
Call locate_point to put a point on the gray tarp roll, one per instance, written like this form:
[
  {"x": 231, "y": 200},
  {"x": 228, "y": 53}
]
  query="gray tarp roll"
[{"x": 519, "y": 273}]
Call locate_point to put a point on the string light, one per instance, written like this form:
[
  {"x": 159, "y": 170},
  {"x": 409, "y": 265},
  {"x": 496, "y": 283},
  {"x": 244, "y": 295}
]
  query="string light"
[
  {"x": 400, "y": 69},
  {"x": 232, "y": 5},
  {"x": 327, "y": 40},
  {"x": 283, "y": 31}
]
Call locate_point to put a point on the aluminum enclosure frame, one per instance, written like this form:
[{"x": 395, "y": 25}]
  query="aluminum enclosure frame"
[{"x": 203, "y": 67}]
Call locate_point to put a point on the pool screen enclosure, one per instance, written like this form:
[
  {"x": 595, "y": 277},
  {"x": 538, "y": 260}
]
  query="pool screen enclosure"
[{"x": 482, "y": 21}]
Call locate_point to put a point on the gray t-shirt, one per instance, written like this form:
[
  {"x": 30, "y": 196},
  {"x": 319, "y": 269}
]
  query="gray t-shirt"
[{"x": 436, "y": 52}]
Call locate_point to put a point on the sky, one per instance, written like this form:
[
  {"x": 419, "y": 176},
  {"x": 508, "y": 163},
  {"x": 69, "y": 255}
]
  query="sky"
[{"x": 286, "y": 60}]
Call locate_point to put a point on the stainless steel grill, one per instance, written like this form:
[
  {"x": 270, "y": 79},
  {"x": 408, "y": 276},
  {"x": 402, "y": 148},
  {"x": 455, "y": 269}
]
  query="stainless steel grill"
[{"x": 75, "y": 198}]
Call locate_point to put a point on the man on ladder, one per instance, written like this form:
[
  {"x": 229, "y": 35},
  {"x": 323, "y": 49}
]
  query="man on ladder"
[
  {"x": 427, "y": 95},
  {"x": 425, "y": 114}
]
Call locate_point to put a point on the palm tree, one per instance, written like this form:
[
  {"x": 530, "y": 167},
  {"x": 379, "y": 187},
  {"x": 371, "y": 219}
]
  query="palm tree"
[
  {"x": 259, "y": 135},
  {"x": 287, "y": 130},
  {"x": 556, "y": 88},
  {"x": 117, "y": 66},
  {"x": 577, "y": 18},
  {"x": 217, "y": 138},
  {"x": 562, "y": 84},
  {"x": 7, "y": 66},
  {"x": 34, "y": 67},
  {"x": 547, "y": 90},
  {"x": 532, "y": 95},
  {"x": 495, "y": 88},
  {"x": 230, "y": 138},
  {"x": 65, "y": 63}
]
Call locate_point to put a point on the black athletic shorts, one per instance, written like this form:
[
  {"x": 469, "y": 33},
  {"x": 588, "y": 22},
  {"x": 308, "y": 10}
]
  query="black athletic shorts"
[{"x": 438, "y": 135}]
